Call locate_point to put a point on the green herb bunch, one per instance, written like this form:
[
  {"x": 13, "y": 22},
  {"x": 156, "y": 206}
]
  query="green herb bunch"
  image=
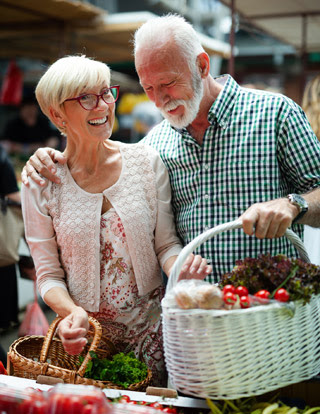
[
  {"x": 269, "y": 272},
  {"x": 122, "y": 369}
]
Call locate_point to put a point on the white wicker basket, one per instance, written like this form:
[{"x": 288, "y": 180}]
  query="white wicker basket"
[{"x": 230, "y": 354}]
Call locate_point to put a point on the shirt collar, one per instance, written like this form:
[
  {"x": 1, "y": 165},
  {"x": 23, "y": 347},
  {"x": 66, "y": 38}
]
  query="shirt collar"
[{"x": 222, "y": 106}]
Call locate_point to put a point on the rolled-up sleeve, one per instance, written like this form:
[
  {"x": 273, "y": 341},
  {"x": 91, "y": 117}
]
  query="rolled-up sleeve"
[
  {"x": 167, "y": 243},
  {"x": 41, "y": 238}
]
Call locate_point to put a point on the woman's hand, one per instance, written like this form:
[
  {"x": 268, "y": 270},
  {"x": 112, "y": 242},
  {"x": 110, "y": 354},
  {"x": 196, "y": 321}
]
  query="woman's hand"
[
  {"x": 42, "y": 162},
  {"x": 195, "y": 267},
  {"x": 72, "y": 331}
]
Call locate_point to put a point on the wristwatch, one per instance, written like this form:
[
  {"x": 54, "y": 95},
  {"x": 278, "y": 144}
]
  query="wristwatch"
[{"x": 301, "y": 203}]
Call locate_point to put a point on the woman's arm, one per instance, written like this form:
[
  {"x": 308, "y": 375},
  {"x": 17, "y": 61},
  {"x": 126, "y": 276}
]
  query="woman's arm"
[
  {"x": 41, "y": 239},
  {"x": 75, "y": 325}
]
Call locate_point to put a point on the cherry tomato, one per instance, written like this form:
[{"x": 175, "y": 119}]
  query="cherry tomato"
[
  {"x": 124, "y": 399},
  {"x": 35, "y": 403},
  {"x": 229, "y": 298},
  {"x": 241, "y": 291},
  {"x": 229, "y": 288},
  {"x": 56, "y": 403},
  {"x": 88, "y": 409},
  {"x": 262, "y": 294},
  {"x": 156, "y": 405},
  {"x": 170, "y": 410},
  {"x": 73, "y": 404},
  {"x": 244, "y": 301},
  {"x": 94, "y": 399},
  {"x": 282, "y": 295}
]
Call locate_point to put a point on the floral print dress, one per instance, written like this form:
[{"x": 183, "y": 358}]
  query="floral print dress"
[{"x": 131, "y": 322}]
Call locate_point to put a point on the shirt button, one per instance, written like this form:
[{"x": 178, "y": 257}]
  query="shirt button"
[
  {"x": 206, "y": 166},
  {"x": 206, "y": 196}
]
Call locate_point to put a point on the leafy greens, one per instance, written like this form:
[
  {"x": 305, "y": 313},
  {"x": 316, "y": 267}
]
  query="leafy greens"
[{"x": 122, "y": 369}]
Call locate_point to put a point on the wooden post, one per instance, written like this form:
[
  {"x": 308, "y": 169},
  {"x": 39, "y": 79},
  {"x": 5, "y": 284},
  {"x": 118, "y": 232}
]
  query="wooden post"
[{"x": 232, "y": 40}]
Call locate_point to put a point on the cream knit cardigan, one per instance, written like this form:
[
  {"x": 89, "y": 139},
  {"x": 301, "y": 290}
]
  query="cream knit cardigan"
[{"x": 62, "y": 226}]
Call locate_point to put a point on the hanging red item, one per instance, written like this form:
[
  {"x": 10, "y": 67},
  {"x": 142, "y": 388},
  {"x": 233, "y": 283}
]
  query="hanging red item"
[
  {"x": 35, "y": 321},
  {"x": 12, "y": 85},
  {"x": 3, "y": 371}
]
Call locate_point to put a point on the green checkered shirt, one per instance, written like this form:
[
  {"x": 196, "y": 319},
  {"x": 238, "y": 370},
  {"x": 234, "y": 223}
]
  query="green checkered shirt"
[{"x": 259, "y": 146}]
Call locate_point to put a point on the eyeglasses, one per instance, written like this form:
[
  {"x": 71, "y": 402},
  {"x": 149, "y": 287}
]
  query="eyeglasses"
[{"x": 91, "y": 100}]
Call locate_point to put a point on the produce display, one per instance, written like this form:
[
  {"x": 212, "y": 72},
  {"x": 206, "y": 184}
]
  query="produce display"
[
  {"x": 72, "y": 399},
  {"x": 252, "y": 282},
  {"x": 84, "y": 399},
  {"x": 122, "y": 369}
]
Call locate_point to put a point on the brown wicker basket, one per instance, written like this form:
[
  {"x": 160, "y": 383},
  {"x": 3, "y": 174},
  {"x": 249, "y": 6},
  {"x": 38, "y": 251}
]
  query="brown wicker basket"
[{"x": 30, "y": 356}]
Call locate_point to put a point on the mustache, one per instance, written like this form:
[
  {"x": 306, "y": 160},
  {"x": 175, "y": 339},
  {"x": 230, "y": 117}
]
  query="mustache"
[{"x": 173, "y": 104}]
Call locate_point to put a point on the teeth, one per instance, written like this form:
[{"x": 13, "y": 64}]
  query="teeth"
[{"x": 98, "y": 121}]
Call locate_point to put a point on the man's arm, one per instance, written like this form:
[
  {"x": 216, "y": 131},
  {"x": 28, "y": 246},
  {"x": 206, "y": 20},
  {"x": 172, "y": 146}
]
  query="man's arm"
[
  {"x": 272, "y": 218},
  {"x": 42, "y": 162}
]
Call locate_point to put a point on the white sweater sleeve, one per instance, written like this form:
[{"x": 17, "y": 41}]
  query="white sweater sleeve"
[
  {"x": 41, "y": 237},
  {"x": 167, "y": 243}
]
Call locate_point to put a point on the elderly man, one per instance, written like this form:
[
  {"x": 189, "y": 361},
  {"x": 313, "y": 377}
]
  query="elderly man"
[{"x": 229, "y": 151}]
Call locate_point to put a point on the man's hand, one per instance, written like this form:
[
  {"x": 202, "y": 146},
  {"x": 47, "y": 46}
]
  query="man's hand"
[
  {"x": 42, "y": 162},
  {"x": 72, "y": 331},
  {"x": 269, "y": 219},
  {"x": 195, "y": 267}
]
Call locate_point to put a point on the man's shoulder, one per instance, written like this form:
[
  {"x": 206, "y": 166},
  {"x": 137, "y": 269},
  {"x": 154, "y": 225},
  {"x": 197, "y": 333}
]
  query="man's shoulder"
[
  {"x": 161, "y": 136},
  {"x": 270, "y": 97}
]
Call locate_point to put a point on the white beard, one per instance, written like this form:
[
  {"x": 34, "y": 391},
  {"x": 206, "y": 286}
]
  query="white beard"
[{"x": 191, "y": 106}]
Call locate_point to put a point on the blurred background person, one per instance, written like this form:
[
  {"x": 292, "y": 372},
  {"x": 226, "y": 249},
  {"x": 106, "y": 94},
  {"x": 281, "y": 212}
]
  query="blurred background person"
[
  {"x": 28, "y": 131},
  {"x": 311, "y": 103},
  {"x": 311, "y": 106},
  {"x": 145, "y": 116},
  {"x": 9, "y": 299}
]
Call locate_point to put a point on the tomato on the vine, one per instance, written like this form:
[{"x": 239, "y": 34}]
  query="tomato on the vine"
[
  {"x": 282, "y": 295},
  {"x": 229, "y": 288},
  {"x": 262, "y": 294},
  {"x": 244, "y": 301},
  {"x": 229, "y": 298},
  {"x": 241, "y": 291}
]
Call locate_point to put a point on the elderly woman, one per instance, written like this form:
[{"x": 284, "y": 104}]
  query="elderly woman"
[{"x": 97, "y": 238}]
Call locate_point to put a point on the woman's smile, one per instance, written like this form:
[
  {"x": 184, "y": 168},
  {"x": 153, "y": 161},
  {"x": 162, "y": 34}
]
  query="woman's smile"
[{"x": 98, "y": 121}]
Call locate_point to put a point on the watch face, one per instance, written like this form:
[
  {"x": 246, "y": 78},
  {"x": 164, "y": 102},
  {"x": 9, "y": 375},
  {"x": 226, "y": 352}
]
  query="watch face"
[{"x": 299, "y": 201}]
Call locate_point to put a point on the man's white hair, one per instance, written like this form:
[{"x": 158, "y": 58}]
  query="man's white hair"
[{"x": 177, "y": 28}]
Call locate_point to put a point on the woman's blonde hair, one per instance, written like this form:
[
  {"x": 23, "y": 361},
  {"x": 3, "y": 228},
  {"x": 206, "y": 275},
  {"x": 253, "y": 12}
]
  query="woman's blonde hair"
[
  {"x": 66, "y": 78},
  {"x": 311, "y": 104}
]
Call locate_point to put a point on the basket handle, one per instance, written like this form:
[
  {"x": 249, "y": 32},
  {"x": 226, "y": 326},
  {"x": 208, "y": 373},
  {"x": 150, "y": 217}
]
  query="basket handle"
[
  {"x": 231, "y": 225},
  {"x": 93, "y": 346}
]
